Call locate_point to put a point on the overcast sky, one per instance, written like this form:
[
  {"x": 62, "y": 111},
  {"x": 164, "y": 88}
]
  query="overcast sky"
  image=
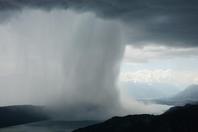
[{"x": 177, "y": 66}]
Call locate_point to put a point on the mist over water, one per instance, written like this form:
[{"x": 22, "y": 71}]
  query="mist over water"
[{"x": 62, "y": 59}]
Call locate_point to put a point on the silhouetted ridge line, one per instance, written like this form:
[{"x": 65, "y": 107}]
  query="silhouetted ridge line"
[{"x": 176, "y": 119}]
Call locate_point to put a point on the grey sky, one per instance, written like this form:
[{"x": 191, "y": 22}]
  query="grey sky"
[{"x": 168, "y": 22}]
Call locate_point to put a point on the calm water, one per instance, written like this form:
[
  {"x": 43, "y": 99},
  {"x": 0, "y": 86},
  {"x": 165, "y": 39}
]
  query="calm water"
[{"x": 49, "y": 126}]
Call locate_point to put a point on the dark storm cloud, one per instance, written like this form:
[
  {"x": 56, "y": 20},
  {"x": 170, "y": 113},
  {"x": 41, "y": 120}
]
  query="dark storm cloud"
[{"x": 170, "y": 22}]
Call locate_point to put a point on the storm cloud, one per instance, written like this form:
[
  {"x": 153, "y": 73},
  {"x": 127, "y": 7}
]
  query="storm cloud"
[{"x": 167, "y": 22}]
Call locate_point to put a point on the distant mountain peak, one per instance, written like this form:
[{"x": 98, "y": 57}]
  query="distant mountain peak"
[{"x": 187, "y": 96}]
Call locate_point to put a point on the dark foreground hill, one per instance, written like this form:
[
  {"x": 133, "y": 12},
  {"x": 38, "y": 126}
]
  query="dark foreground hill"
[
  {"x": 176, "y": 119},
  {"x": 20, "y": 114}
]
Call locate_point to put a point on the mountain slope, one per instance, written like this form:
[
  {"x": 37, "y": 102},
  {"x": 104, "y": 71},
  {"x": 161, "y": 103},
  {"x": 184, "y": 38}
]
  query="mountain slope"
[
  {"x": 20, "y": 114},
  {"x": 190, "y": 93},
  {"x": 187, "y": 96},
  {"x": 176, "y": 119}
]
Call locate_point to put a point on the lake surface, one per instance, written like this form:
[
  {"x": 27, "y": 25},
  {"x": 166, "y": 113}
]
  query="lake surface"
[{"x": 49, "y": 126}]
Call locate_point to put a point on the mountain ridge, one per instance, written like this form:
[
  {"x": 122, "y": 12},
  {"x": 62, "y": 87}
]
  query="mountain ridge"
[
  {"x": 187, "y": 96},
  {"x": 176, "y": 119},
  {"x": 21, "y": 114}
]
